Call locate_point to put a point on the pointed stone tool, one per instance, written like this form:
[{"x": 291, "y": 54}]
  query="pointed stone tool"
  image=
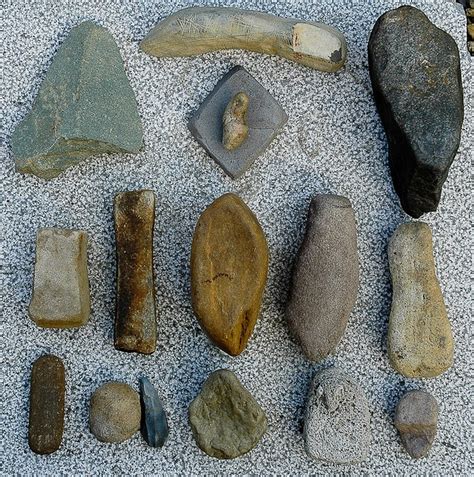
[
  {"x": 154, "y": 426},
  {"x": 85, "y": 106}
]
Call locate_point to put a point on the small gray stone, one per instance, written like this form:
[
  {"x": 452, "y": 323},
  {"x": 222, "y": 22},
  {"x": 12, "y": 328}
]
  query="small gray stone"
[
  {"x": 325, "y": 277},
  {"x": 416, "y": 419},
  {"x": 337, "y": 420},
  {"x": 61, "y": 285},
  {"x": 225, "y": 418},
  {"x": 265, "y": 118},
  {"x": 416, "y": 78},
  {"x": 154, "y": 422},
  {"x": 115, "y": 413},
  {"x": 85, "y": 106}
]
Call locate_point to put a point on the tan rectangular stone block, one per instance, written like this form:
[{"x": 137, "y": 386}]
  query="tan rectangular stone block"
[{"x": 61, "y": 285}]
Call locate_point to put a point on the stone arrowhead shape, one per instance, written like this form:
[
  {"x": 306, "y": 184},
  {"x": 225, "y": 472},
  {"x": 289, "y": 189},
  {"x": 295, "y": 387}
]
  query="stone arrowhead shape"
[
  {"x": 229, "y": 264},
  {"x": 416, "y": 78},
  {"x": 154, "y": 423},
  {"x": 85, "y": 106}
]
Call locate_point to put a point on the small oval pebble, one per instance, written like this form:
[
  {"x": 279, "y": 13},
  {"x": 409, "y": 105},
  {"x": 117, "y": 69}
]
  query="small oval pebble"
[
  {"x": 47, "y": 392},
  {"x": 420, "y": 341},
  {"x": 337, "y": 420},
  {"x": 115, "y": 412},
  {"x": 416, "y": 419}
]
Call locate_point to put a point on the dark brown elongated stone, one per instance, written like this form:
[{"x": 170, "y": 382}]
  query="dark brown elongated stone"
[
  {"x": 46, "y": 404},
  {"x": 135, "y": 323}
]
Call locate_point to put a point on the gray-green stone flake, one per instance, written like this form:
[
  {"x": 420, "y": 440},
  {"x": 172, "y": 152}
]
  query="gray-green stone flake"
[{"x": 85, "y": 107}]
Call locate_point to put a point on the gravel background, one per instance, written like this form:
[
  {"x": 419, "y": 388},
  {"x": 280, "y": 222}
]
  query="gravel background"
[{"x": 333, "y": 142}]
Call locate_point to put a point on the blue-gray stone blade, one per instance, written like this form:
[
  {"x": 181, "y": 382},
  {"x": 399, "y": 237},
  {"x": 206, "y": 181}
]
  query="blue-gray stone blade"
[{"x": 154, "y": 423}]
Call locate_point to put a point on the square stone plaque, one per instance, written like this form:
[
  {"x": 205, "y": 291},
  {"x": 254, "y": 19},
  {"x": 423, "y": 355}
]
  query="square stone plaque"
[{"x": 265, "y": 119}]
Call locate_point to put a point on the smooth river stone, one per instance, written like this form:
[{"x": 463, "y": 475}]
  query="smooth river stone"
[
  {"x": 420, "y": 341},
  {"x": 418, "y": 91},
  {"x": 135, "y": 322},
  {"x": 154, "y": 423},
  {"x": 85, "y": 107},
  {"x": 115, "y": 412},
  {"x": 229, "y": 264},
  {"x": 61, "y": 284},
  {"x": 226, "y": 420},
  {"x": 47, "y": 394},
  {"x": 337, "y": 419},
  {"x": 325, "y": 277},
  {"x": 416, "y": 419}
]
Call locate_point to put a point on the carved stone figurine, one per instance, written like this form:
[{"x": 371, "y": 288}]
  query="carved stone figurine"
[{"x": 234, "y": 122}]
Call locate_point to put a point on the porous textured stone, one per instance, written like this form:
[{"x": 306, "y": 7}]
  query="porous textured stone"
[
  {"x": 229, "y": 264},
  {"x": 84, "y": 107},
  {"x": 337, "y": 419},
  {"x": 154, "y": 423},
  {"x": 325, "y": 277},
  {"x": 418, "y": 90},
  {"x": 114, "y": 413},
  {"x": 60, "y": 296},
  {"x": 47, "y": 395},
  {"x": 420, "y": 340},
  {"x": 226, "y": 420},
  {"x": 416, "y": 419},
  {"x": 135, "y": 321},
  {"x": 265, "y": 119}
]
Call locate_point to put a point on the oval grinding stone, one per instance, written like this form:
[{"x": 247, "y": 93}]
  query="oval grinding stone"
[
  {"x": 46, "y": 404},
  {"x": 229, "y": 264}
]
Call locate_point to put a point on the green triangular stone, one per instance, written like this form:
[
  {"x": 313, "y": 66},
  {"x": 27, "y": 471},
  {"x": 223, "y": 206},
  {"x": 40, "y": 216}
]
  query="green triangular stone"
[{"x": 85, "y": 106}]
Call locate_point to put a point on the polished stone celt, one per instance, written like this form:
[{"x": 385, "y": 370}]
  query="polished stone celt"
[
  {"x": 154, "y": 422},
  {"x": 416, "y": 79},
  {"x": 47, "y": 396},
  {"x": 114, "y": 412},
  {"x": 420, "y": 340},
  {"x": 135, "y": 321},
  {"x": 337, "y": 419},
  {"x": 85, "y": 107},
  {"x": 416, "y": 419},
  {"x": 225, "y": 418},
  {"x": 60, "y": 296},
  {"x": 325, "y": 277},
  {"x": 229, "y": 264}
]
